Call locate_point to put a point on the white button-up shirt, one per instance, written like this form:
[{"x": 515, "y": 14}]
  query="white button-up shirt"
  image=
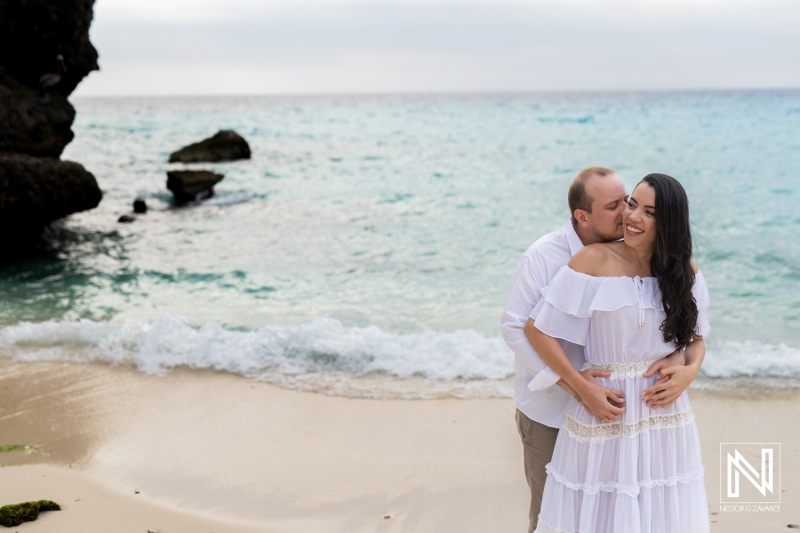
[{"x": 542, "y": 402}]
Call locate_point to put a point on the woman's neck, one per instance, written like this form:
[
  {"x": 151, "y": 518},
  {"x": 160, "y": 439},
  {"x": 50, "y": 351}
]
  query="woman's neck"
[{"x": 635, "y": 261}]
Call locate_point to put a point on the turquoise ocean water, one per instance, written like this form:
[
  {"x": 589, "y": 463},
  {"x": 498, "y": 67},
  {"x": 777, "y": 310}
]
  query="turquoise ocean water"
[{"x": 367, "y": 247}]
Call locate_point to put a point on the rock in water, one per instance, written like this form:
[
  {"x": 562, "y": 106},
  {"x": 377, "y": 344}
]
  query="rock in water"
[
  {"x": 139, "y": 206},
  {"x": 41, "y": 39},
  {"x": 35, "y": 191},
  {"x": 226, "y": 145},
  {"x": 192, "y": 185},
  {"x": 33, "y": 36},
  {"x": 28, "y": 125},
  {"x": 14, "y": 515},
  {"x": 38, "y": 190}
]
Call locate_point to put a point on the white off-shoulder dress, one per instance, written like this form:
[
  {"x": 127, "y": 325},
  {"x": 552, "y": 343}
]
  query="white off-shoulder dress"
[{"x": 641, "y": 473}]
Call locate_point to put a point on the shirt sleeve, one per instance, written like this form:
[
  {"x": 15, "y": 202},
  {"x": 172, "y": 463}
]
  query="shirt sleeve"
[
  {"x": 701, "y": 296},
  {"x": 564, "y": 311},
  {"x": 524, "y": 293},
  {"x": 546, "y": 378}
]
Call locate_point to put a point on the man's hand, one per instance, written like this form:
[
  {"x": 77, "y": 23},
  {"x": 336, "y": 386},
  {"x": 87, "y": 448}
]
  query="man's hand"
[
  {"x": 675, "y": 358},
  {"x": 673, "y": 378},
  {"x": 670, "y": 385}
]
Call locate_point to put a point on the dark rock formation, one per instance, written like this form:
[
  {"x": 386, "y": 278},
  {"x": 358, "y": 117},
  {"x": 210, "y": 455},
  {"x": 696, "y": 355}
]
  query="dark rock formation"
[
  {"x": 44, "y": 53},
  {"x": 35, "y": 191},
  {"x": 226, "y": 145},
  {"x": 34, "y": 32},
  {"x": 38, "y": 190},
  {"x": 192, "y": 185},
  {"x": 17, "y": 513},
  {"x": 29, "y": 124},
  {"x": 139, "y": 206}
]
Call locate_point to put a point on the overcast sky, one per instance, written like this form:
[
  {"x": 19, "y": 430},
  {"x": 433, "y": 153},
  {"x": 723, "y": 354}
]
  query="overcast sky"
[{"x": 189, "y": 47}]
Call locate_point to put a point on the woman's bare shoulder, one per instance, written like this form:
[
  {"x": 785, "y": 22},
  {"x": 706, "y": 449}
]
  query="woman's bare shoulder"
[{"x": 590, "y": 259}]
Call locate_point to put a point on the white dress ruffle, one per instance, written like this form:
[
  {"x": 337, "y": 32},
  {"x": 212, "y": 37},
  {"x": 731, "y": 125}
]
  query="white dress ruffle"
[{"x": 641, "y": 473}]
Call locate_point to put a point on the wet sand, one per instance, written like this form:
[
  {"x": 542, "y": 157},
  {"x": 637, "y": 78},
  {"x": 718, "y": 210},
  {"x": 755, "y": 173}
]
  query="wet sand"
[{"x": 205, "y": 451}]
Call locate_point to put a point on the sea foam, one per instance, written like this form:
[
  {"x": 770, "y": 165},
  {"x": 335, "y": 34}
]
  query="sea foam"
[
  {"x": 320, "y": 355},
  {"x": 325, "y": 356},
  {"x": 751, "y": 359}
]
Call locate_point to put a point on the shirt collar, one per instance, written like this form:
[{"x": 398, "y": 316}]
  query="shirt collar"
[{"x": 573, "y": 240}]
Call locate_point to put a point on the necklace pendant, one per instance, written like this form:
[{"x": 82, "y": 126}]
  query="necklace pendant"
[{"x": 641, "y": 325}]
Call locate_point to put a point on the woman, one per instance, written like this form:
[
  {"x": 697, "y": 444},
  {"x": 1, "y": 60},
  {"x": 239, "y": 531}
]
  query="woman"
[{"x": 631, "y": 468}]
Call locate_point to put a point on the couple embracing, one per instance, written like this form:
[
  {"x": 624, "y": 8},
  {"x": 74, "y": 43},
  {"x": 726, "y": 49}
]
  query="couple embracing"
[{"x": 606, "y": 317}]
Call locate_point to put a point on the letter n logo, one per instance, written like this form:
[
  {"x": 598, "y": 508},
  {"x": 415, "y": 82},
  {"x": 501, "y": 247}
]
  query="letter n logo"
[
  {"x": 762, "y": 481},
  {"x": 743, "y": 482}
]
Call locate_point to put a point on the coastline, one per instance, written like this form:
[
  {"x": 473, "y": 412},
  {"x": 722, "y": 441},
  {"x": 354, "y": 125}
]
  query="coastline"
[{"x": 213, "y": 451}]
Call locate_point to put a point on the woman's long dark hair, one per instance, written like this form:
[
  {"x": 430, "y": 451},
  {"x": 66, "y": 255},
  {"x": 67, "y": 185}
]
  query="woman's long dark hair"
[{"x": 672, "y": 258}]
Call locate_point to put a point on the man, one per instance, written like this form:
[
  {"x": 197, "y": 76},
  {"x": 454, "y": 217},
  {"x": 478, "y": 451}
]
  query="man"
[{"x": 596, "y": 201}]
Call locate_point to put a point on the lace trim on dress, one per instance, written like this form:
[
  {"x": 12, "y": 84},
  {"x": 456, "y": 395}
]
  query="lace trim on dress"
[
  {"x": 602, "y": 432},
  {"x": 628, "y": 369},
  {"x": 630, "y": 490}
]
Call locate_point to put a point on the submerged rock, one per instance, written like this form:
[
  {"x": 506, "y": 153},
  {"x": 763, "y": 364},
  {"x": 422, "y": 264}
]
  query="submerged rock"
[
  {"x": 192, "y": 185},
  {"x": 15, "y": 514},
  {"x": 226, "y": 145}
]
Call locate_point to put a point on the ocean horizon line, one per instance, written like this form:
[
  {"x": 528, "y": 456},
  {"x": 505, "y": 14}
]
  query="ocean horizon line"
[{"x": 434, "y": 93}]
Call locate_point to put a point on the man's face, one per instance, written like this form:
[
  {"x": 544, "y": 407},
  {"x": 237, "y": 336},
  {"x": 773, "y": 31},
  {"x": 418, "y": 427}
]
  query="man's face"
[{"x": 605, "y": 220}]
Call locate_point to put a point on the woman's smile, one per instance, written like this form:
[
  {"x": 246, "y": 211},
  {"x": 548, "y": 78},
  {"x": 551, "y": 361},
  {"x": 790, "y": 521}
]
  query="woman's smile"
[{"x": 632, "y": 230}]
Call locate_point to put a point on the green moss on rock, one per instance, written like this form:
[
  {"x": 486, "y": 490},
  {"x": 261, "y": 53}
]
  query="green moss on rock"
[
  {"x": 15, "y": 514},
  {"x": 4, "y": 448}
]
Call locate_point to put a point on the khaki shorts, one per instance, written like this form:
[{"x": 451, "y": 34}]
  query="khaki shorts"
[{"x": 538, "y": 442}]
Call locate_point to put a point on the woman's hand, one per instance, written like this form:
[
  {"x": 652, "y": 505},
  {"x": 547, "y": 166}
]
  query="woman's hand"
[
  {"x": 604, "y": 403},
  {"x": 566, "y": 386},
  {"x": 590, "y": 375},
  {"x": 671, "y": 383}
]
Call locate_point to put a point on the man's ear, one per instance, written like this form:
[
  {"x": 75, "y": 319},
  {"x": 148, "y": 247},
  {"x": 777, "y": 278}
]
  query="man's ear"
[{"x": 581, "y": 216}]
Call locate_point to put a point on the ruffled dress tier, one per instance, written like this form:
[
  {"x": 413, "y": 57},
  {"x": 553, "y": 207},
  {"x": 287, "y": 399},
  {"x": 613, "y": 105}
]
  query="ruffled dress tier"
[{"x": 641, "y": 473}]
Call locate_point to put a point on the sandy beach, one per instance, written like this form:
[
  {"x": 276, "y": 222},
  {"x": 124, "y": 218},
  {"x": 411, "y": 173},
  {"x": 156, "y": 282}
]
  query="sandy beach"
[{"x": 204, "y": 451}]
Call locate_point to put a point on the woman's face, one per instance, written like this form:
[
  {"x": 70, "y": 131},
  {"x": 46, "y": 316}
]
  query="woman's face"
[{"x": 640, "y": 217}]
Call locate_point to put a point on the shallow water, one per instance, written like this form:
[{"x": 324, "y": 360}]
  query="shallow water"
[{"x": 372, "y": 239}]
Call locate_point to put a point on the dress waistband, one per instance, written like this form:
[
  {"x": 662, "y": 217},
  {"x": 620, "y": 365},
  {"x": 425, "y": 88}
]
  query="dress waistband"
[{"x": 627, "y": 369}]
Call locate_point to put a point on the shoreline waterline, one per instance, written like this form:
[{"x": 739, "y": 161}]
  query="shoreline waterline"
[{"x": 325, "y": 356}]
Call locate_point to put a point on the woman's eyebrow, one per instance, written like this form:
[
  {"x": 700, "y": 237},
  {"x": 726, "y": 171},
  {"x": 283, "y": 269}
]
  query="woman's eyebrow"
[{"x": 632, "y": 199}]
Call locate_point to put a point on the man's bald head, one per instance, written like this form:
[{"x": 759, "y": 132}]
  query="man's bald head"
[{"x": 578, "y": 196}]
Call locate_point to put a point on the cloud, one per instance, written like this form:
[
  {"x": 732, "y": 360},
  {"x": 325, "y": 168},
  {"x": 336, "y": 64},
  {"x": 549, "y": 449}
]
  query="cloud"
[{"x": 444, "y": 46}]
